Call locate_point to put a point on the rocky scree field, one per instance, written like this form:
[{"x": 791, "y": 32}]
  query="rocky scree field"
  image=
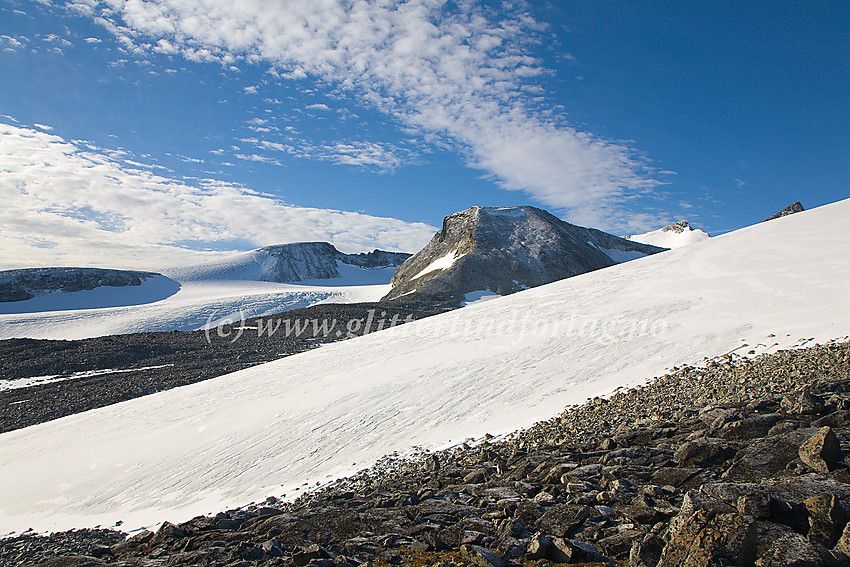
[{"x": 742, "y": 462}]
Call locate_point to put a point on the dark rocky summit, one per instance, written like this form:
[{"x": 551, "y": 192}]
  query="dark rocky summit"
[
  {"x": 795, "y": 207},
  {"x": 23, "y": 284},
  {"x": 503, "y": 250},
  {"x": 742, "y": 462},
  {"x": 677, "y": 227},
  {"x": 318, "y": 260},
  {"x": 375, "y": 259}
]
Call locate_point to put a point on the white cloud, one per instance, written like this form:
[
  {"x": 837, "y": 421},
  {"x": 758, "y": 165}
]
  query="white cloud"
[
  {"x": 9, "y": 43},
  {"x": 258, "y": 158},
  {"x": 55, "y": 39},
  {"x": 317, "y": 106},
  {"x": 447, "y": 70},
  {"x": 365, "y": 154},
  {"x": 66, "y": 203},
  {"x": 369, "y": 155}
]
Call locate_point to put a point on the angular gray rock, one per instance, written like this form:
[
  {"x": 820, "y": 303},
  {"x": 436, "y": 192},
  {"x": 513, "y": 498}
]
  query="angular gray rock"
[
  {"x": 481, "y": 556},
  {"x": 791, "y": 550},
  {"x": 705, "y": 540},
  {"x": 827, "y": 519},
  {"x": 822, "y": 451},
  {"x": 795, "y": 207}
]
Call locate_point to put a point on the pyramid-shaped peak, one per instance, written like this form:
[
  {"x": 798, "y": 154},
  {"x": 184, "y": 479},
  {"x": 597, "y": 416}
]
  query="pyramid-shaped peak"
[
  {"x": 501, "y": 250},
  {"x": 795, "y": 207}
]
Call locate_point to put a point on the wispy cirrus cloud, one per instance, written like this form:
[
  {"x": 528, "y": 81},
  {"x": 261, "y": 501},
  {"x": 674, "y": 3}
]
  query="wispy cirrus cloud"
[
  {"x": 71, "y": 203},
  {"x": 380, "y": 157},
  {"x": 454, "y": 72}
]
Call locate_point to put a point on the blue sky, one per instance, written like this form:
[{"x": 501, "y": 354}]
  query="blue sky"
[{"x": 146, "y": 132}]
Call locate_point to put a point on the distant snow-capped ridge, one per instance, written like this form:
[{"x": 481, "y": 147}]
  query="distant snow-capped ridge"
[
  {"x": 293, "y": 262},
  {"x": 503, "y": 250},
  {"x": 27, "y": 283},
  {"x": 671, "y": 236}
]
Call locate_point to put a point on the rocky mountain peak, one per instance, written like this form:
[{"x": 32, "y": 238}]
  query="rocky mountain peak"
[
  {"x": 795, "y": 207},
  {"x": 677, "y": 227},
  {"x": 293, "y": 262},
  {"x": 503, "y": 250}
]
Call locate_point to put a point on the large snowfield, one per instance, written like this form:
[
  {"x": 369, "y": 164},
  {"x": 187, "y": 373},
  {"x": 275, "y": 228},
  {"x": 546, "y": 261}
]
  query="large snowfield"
[
  {"x": 490, "y": 367},
  {"x": 184, "y": 301}
]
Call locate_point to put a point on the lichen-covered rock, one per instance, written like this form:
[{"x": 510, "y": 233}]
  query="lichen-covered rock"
[
  {"x": 481, "y": 557},
  {"x": 821, "y": 452},
  {"x": 703, "y": 452},
  {"x": 802, "y": 401},
  {"x": 792, "y": 550},
  {"x": 705, "y": 540},
  {"x": 646, "y": 552},
  {"x": 827, "y": 518}
]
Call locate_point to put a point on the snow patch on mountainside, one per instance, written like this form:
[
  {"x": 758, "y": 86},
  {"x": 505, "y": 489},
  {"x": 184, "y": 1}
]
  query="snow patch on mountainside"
[
  {"x": 441, "y": 263},
  {"x": 477, "y": 297},
  {"x": 514, "y": 212},
  {"x": 39, "y": 380},
  {"x": 489, "y": 367}
]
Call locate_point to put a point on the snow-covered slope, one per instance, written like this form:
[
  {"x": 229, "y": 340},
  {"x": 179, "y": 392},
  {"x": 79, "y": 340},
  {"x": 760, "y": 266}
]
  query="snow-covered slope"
[
  {"x": 24, "y": 285},
  {"x": 245, "y": 285},
  {"x": 489, "y": 367},
  {"x": 196, "y": 305},
  {"x": 154, "y": 287},
  {"x": 672, "y": 236}
]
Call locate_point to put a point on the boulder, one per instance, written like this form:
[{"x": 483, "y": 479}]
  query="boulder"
[
  {"x": 827, "y": 519},
  {"x": 802, "y": 401},
  {"x": 481, "y": 556},
  {"x": 707, "y": 540},
  {"x": 563, "y": 519},
  {"x": 792, "y": 550},
  {"x": 821, "y": 452},
  {"x": 703, "y": 452}
]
